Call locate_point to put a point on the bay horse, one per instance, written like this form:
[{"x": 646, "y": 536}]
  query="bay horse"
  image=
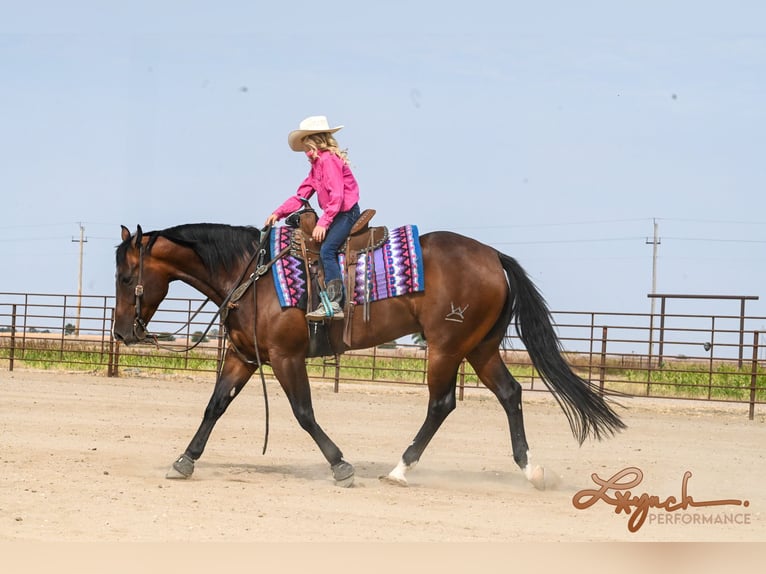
[{"x": 490, "y": 289}]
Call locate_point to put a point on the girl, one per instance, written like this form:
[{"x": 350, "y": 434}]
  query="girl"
[{"x": 338, "y": 194}]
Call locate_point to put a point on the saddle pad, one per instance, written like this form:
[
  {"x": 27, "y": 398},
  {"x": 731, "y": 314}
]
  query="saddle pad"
[
  {"x": 395, "y": 268},
  {"x": 289, "y": 272}
]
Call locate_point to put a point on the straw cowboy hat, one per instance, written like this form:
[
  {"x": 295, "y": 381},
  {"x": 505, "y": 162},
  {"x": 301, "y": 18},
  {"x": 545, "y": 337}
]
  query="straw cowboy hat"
[{"x": 311, "y": 125}]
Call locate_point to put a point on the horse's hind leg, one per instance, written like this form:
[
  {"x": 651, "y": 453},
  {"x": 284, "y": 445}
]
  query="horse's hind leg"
[
  {"x": 490, "y": 368},
  {"x": 234, "y": 376},
  {"x": 442, "y": 379}
]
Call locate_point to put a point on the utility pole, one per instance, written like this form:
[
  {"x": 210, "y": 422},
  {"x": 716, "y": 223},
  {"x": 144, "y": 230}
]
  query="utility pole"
[
  {"x": 655, "y": 243},
  {"x": 82, "y": 241}
]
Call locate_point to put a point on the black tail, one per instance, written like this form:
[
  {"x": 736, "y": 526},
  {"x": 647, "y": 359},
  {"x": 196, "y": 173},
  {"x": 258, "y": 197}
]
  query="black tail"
[{"x": 586, "y": 409}]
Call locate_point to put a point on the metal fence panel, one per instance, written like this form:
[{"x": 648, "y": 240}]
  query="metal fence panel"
[{"x": 700, "y": 357}]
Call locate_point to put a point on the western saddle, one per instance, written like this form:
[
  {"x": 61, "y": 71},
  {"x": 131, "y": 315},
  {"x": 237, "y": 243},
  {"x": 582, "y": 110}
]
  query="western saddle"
[{"x": 361, "y": 239}]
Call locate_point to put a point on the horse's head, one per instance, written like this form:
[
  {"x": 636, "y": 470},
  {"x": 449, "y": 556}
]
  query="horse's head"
[{"x": 141, "y": 287}]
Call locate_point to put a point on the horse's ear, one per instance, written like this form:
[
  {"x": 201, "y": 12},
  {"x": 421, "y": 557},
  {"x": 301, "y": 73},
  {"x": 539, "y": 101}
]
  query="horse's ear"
[{"x": 136, "y": 239}]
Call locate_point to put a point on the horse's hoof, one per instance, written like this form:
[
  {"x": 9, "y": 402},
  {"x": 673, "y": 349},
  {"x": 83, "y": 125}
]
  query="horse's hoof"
[
  {"x": 343, "y": 473},
  {"x": 542, "y": 479},
  {"x": 182, "y": 468},
  {"x": 537, "y": 477},
  {"x": 346, "y": 482},
  {"x": 395, "y": 480}
]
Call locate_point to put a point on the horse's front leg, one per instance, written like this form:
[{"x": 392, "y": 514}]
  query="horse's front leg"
[
  {"x": 291, "y": 374},
  {"x": 234, "y": 376}
]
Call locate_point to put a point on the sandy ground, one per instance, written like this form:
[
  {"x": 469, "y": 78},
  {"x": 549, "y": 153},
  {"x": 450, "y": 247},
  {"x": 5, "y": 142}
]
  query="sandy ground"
[{"x": 83, "y": 458}]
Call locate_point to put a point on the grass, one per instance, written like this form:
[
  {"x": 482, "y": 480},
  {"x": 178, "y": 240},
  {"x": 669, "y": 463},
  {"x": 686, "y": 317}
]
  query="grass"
[
  {"x": 682, "y": 379},
  {"x": 50, "y": 355}
]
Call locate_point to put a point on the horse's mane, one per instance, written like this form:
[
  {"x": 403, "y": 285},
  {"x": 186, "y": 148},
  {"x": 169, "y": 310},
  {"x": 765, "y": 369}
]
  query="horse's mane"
[{"x": 218, "y": 245}]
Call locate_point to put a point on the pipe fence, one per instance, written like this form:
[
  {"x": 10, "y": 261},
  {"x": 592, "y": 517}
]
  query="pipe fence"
[{"x": 694, "y": 357}]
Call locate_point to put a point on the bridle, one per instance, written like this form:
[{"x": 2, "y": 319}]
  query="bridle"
[
  {"x": 139, "y": 326},
  {"x": 141, "y": 331}
]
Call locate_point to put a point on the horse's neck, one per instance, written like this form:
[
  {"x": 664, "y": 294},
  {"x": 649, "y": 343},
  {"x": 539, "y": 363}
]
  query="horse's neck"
[{"x": 186, "y": 266}]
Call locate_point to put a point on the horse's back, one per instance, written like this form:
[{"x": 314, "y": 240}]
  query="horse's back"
[
  {"x": 465, "y": 287},
  {"x": 464, "y": 297},
  {"x": 461, "y": 260}
]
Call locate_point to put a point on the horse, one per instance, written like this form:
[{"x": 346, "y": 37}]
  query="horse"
[{"x": 489, "y": 289}]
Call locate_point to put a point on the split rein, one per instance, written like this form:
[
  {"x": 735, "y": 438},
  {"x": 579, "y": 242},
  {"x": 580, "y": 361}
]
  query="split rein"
[{"x": 229, "y": 302}]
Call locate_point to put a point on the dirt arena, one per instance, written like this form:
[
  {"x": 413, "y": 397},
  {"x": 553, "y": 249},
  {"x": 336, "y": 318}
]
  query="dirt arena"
[{"x": 83, "y": 458}]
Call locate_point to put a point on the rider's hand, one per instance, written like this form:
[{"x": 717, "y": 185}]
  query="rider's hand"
[
  {"x": 271, "y": 220},
  {"x": 319, "y": 233}
]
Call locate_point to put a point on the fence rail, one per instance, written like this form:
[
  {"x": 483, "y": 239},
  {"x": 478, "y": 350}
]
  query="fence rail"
[{"x": 698, "y": 357}]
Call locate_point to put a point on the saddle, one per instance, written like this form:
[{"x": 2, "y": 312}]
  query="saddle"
[{"x": 361, "y": 239}]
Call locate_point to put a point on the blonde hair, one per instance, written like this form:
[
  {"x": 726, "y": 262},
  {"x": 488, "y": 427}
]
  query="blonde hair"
[{"x": 325, "y": 141}]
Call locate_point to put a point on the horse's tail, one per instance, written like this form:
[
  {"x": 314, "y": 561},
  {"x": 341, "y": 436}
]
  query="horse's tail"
[{"x": 587, "y": 411}]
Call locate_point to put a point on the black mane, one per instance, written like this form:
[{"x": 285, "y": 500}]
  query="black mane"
[{"x": 217, "y": 244}]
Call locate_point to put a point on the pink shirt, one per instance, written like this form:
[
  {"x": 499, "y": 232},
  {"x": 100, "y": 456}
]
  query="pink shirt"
[{"x": 334, "y": 184}]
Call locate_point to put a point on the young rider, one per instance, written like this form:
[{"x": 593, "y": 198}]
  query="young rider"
[{"x": 331, "y": 178}]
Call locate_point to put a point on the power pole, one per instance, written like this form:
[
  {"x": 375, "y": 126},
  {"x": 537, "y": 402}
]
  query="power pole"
[
  {"x": 82, "y": 241},
  {"x": 655, "y": 243}
]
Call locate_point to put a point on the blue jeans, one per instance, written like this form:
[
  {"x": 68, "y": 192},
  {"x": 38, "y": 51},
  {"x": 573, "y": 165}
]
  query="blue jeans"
[{"x": 336, "y": 235}]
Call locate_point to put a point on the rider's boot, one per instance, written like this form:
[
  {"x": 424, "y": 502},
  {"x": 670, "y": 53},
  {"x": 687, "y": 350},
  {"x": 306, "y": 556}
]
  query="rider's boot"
[{"x": 329, "y": 303}]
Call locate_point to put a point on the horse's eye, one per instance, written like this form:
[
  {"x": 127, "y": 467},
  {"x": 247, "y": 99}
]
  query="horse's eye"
[{"x": 126, "y": 279}]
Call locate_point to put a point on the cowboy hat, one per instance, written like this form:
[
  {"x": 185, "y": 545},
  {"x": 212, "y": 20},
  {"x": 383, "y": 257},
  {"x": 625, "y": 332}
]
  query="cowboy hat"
[{"x": 311, "y": 125}]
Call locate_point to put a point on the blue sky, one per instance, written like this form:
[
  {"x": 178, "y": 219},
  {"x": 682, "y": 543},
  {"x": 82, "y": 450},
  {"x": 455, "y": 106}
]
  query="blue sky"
[{"x": 557, "y": 132}]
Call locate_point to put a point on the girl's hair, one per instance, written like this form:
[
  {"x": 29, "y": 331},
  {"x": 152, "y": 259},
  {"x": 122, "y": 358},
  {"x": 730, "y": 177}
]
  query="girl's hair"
[{"x": 325, "y": 141}]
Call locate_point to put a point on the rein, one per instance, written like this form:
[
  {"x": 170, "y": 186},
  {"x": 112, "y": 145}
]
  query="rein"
[{"x": 141, "y": 331}]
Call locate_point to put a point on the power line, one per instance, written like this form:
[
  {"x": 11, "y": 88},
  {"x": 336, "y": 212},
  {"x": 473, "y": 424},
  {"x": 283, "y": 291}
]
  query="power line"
[
  {"x": 25, "y": 239},
  {"x": 614, "y": 239},
  {"x": 34, "y": 225},
  {"x": 555, "y": 224},
  {"x": 716, "y": 221},
  {"x": 552, "y": 241},
  {"x": 718, "y": 240}
]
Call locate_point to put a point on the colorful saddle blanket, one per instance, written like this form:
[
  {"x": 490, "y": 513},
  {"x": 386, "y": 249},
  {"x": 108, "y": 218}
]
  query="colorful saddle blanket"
[{"x": 395, "y": 268}]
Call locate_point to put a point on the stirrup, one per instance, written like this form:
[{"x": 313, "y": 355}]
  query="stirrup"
[
  {"x": 319, "y": 314},
  {"x": 337, "y": 311},
  {"x": 323, "y": 310},
  {"x": 326, "y": 310}
]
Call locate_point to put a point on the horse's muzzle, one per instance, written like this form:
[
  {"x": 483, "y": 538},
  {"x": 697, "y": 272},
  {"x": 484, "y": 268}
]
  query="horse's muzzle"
[{"x": 136, "y": 334}]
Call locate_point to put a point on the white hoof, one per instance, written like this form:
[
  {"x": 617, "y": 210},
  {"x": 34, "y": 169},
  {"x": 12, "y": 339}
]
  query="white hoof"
[
  {"x": 536, "y": 475},
  {"x": 541, "y": 478},
  {"x": 395, "y": 480},
  {"x": 398, "y": 476}
]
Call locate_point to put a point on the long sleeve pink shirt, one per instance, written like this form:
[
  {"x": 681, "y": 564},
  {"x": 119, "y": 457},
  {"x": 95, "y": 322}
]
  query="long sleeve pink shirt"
[{"x": 334, "y": 184}]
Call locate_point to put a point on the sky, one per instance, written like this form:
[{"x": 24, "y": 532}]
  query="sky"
[{"x": 560, "y": 133}]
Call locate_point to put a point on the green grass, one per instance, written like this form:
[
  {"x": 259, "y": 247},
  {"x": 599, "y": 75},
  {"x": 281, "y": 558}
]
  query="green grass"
[
  {"x": 726, "y": 382},
  {"x": 49, "y": 355},
  {"x": 369, "y": 368},
  {"x": 681, "y": 379}
]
